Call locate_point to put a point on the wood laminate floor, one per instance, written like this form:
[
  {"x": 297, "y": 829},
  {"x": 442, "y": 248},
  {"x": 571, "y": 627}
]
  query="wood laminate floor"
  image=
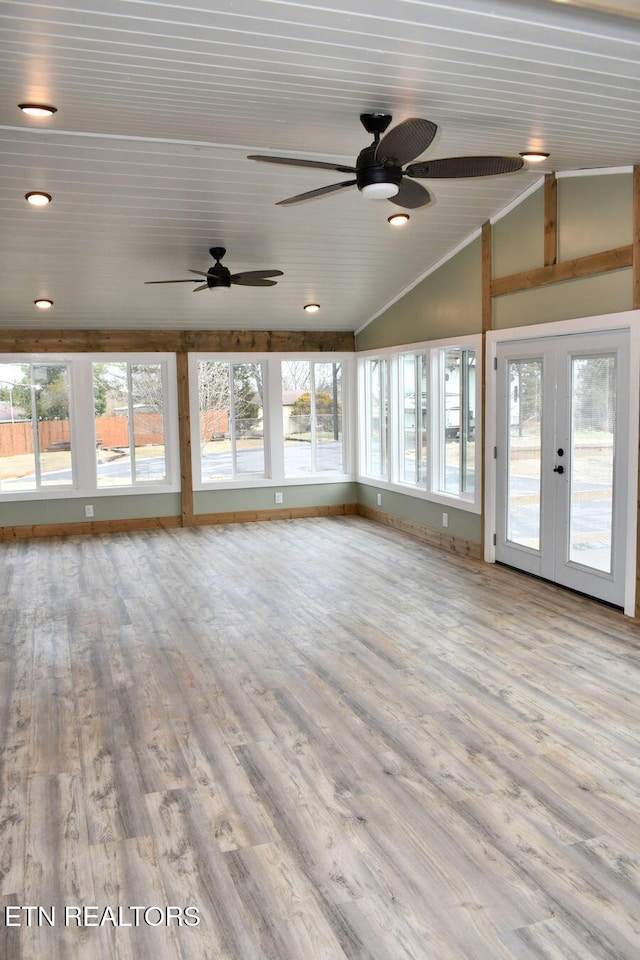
[{"x": 326, "y": 738}]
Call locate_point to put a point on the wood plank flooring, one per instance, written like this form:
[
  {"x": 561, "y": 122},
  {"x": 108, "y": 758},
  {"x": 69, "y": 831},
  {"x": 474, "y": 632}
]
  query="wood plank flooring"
[{"x": 327, "y": 739}]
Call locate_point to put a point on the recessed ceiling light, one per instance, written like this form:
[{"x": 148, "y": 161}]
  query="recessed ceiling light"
[
  {"x": 312, "y": 307},
  {"x": 534, "y": 156},
  {"x": 42, "y": 304},
  {"x": 37, "y": 198},
  {"x": 37, "y": 109},
  {"x": 398, "y": 219}
]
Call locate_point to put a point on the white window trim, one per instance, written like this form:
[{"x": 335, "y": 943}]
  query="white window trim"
[
  {"x": 82, "y": 427},
  {"x": 273, "y": 426},
  {"x": 471, "y": 503}
]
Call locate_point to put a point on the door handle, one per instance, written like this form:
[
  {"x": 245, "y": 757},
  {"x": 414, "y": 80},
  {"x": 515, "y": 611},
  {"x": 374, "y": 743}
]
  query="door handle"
[{"x": 558, "y": 469}]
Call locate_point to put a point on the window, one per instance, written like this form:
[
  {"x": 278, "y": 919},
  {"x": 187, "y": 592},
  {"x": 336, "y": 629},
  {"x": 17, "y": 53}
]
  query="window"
[
  {"x": 457, "y": 369},
  {"x": 376, "y": 403},
  {"x": 230, "y": 404},
  {"x": 129, "y": 403},
  {"x": 84, "y": 425},
  {"x": 417, "y": 420},
  {"x": 269, "y": 419},
  {"x": 412, "y": 370},
  {"x": 35, "y": 427},
  {"x": 312, "y": 418}
]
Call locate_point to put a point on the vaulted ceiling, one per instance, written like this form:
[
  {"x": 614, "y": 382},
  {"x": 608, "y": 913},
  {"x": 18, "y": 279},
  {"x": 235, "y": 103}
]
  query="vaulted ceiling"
[{"x": 159, "y": 105}]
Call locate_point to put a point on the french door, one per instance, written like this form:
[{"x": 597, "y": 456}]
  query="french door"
[{"x": 561, "y": 460}]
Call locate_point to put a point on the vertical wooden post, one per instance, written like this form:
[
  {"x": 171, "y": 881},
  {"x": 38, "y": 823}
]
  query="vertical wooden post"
[
  {"x": 184, "y": 429},
  {"x": 487, "y": 270},
  {"x": 550, "y": 220},
  {"x": 635, "y": 303},
  {"x": 487, "y": 324}
]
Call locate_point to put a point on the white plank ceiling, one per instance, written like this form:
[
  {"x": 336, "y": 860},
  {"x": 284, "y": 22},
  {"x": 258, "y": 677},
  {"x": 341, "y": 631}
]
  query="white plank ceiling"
[{"x": 158, "y": 105}]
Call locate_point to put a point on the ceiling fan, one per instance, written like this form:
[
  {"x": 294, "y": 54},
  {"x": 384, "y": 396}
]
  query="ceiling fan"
[
  {"x": 378, "y": 169},
  {"x": 220, "y": 278}
]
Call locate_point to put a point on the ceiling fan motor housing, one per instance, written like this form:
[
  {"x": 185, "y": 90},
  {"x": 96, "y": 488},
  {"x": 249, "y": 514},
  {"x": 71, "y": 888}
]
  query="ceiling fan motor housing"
[
  {"x": 218, "y": 276},
  {"x": 370, "y": 171}
]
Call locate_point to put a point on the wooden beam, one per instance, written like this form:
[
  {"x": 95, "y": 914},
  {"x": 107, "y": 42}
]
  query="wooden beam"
[
  {"x": 487, "y": 324},
  {"x": 171, "y": 341},
  {"x": 550, "y": 220},
  {"x": 636, "y": 239},
  {"x": 487, "y": 270},
  {"x": 184, "y": 431},
  {"x": 587, "y": 266},
  {"x": 636, "y": 305},
  {"x": 268, "y": 341}
]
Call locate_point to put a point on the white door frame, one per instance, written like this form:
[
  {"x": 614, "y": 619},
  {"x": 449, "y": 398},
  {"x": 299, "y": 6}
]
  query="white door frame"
[{"x": 628, "y": 320}]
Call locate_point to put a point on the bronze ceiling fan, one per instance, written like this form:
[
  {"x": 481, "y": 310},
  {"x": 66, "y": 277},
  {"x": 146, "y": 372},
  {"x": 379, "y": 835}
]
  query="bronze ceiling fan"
[{"x": 378, "y": 170}]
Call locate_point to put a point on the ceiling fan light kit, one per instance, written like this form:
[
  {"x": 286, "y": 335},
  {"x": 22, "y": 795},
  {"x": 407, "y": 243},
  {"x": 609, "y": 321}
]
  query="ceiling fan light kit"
[
  {"x": 534, "y": 156},
  {"x": 378, "y": 170}
]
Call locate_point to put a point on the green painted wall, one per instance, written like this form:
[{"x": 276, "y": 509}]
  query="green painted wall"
[
  {"x": 71, "y": 510},
  {"x": 462, "y": 524},
  {"x": 594, "y": 214},
  {"x": 263, "y": 498},
  {"x": 447, "y": 303},
  {"x": 518, "y": 237},
  {"x": 587, "y": 297}
]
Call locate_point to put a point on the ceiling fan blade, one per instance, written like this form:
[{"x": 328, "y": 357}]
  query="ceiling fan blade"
[
  {"x": 310, "y": 194},
  {"x": 204, "y": 286},
  {"x": 407, "y": 140},
  {"x": 409, "y": 197},
  {"x": 255, "y": 275},
  {"x": 199, "y": 272},
  {"x": 452, "y": 167},
  {"x": 249, "y": 281},
  {"x": 290, "y": 161},
  {"x": 171, "y": 281}
]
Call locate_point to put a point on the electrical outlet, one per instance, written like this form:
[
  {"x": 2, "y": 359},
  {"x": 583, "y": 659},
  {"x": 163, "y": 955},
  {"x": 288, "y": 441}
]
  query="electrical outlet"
[
  {"x": 379, "y": 499},
  {"x": 88, "y": 510},
  {"x": 445, "y": 519},
  {"x": 279, "y": 496}
]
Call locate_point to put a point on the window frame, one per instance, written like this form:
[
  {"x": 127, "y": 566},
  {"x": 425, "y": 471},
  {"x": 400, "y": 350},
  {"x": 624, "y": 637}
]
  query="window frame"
[
  {"x": 273, "y": 427},
  {"x": 429, "y": 488},
  {"x": 83, "y": 430}
]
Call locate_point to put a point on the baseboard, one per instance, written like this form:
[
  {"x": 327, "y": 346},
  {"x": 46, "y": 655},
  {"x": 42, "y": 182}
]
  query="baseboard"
[
  {"x": 82, "y": 527},
  {"x": 278, "y": 513},
  {"x": 31, "y": 531},
  {"x": 437, "y": 538}
]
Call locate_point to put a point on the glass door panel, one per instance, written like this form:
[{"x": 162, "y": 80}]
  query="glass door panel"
[
  {"x": 593, "y": 428},
  {"x": 524, "y": 471}
]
